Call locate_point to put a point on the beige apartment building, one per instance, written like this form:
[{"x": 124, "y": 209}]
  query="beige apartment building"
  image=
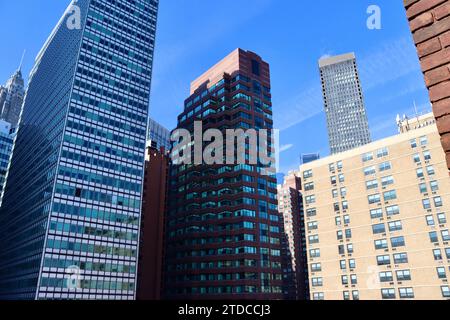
[{"x": 377, "y": 220}]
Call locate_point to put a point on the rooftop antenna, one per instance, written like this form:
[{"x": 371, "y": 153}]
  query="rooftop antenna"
[
  {"x": 415, "y": 109},
  {"x": 21, "y": 60}
]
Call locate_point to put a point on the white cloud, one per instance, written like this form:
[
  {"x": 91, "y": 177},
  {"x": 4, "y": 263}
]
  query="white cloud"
[{"x": 285, "y": 147}]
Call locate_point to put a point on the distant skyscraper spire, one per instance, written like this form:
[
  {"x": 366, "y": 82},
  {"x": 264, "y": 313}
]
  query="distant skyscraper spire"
[
  {"x": 11, "y": 98},
  {"x": 21, "y": 61}
]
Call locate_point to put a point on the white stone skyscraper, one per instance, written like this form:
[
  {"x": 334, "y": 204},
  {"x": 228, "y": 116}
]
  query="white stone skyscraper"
[
  {"x": 347, "y": 122},
  {"x": 11, "y": 98}
]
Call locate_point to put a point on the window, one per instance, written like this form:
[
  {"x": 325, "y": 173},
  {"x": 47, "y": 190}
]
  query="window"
[
  {"x": 383, "y": 260},
  {"x": 331, "y": 167},
  {"x": 309, "y": 186},
  {"x": 307, "y": 174},
  {"x": 340, "y": 165},
  {"x": 442, "y": 218},
  {"x": 384, "y": 152},
  {"x": 333, "y": 180},
  {"x": 376, "y": 213},
  {"x": 313, "y": 225},
  {"x": 338, "y": 221},
  {"x": 346, "y": 219},
  {"x": 385, "y": 166},
  {"x": 334, "y": 193},
  {"x": 346, "y": 295},
  {"x": 434, "y": 185},
  {"x": 386, "y": 276},
  {"x": 386, "y": 181},
  {"x": 316, "y": 267},
  {"x": 317, "y": 282},
  {"x": 398, "y": 242},
  {"x": 343, "y": 192},
  {"x": 441, "y": 273},
  {"x": 416, "y": 158},
  {"x": 348, "y": 233},
  {"x": 344, "y": 280},
  {"x": 310, "y": 199},
  {"x": 388, "y": 293},
  {"x": 390, "y": 195},
  {"x": 355, "y": 295},
  {"x": 423, "y": 188},
  {"x": 406, "y": 293},
  {"x": 343, "y": 265},
  {"x": 437, "y": 254},
  {"x": 374, "y": 198},
  {"x": 372, "y": 184},
  {"x": 430, "y": 220},
  {"x": 427, "y": 155},
  {"x": 403, "y": 275},
  {"x": 381, "y": 244},
  {"x": 423, "y": 141},
  {"x": 400, "y": 258},
  {"x": 434, "y": 237},
  {"x": 447, "y": 252},
  {"x": 430, "y": 170},
  {"x": 426, "y": 204},
  {"x": 353, "y": 279},
  {"x": 378, "y": 228},
  {"x": 445, "y": 291},
  {"x": 350, "y": 248},
  {"x": 311, "y": 212},
  {"x": 419, "y": 173},
  {"x": 445, "y": 235},
  {"x": 341, "y": 178},
  {"x": 318, "y": 296},
  {"x": 413, "y": 143},
  {"x": 395, "y": 226},
  {"x": 369, "y": 171},
  {"x": 367, "y": 157},
  {"x": 344, "y": 205},
  {"x": 438, "y": 202},
  {"x": 314, "y": 253},
  {"x": 352, "y": 263},
  {"x": 340, "y": 235},
  {"x": 392, "y": 210},
  {"x": 313, "y": 239}
]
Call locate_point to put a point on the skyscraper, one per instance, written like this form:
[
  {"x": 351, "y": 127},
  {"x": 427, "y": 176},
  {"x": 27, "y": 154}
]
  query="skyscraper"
[
  {"x": 310, "y": 157},
  {"x": 347, "y": 123},
  {"x": 11, "y": 99},
  {"x": 6, "y": 145},
  {"x": 223, "y": 228},
  {"x": 290, "y": 206},
  {"x": 158, "y": 135},
  {"x": 69, "y": 224}
]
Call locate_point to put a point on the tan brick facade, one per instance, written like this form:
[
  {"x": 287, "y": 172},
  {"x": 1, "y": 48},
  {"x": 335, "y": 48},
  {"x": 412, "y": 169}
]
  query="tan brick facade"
[{"x": 429, "y": 21}]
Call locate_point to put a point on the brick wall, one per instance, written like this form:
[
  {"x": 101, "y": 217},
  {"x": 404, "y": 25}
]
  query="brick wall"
[{"x": 429, "y": 21}]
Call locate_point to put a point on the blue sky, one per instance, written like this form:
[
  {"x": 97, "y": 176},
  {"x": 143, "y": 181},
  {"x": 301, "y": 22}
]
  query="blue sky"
[{"x": 289, "y": 34}]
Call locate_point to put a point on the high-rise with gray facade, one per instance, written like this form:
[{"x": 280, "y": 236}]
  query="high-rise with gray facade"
[
  {"x": 348, "y": 127},
  {"x": 69, "y": 224},
  {"x": 11, "y": 99},
  {"x": 158, "y": 135}
]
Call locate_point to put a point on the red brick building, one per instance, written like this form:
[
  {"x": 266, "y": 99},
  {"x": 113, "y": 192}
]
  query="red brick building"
[
  {"x": 429, "y": 21},
  {"x": 151, "y": 250}
]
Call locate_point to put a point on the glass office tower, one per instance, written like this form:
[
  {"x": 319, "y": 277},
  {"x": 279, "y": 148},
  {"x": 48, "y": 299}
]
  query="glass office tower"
[{"x": 69, "y": 224}]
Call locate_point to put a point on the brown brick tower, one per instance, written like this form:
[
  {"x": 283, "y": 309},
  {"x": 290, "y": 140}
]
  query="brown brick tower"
[
  {"x": 223, "y": 228},
  {"x": 429, "y": 21}
]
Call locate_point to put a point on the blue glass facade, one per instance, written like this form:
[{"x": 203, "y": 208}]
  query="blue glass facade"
[
  {"x": 6, "y": 144},
  {"x": 71, "y": 212}
]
